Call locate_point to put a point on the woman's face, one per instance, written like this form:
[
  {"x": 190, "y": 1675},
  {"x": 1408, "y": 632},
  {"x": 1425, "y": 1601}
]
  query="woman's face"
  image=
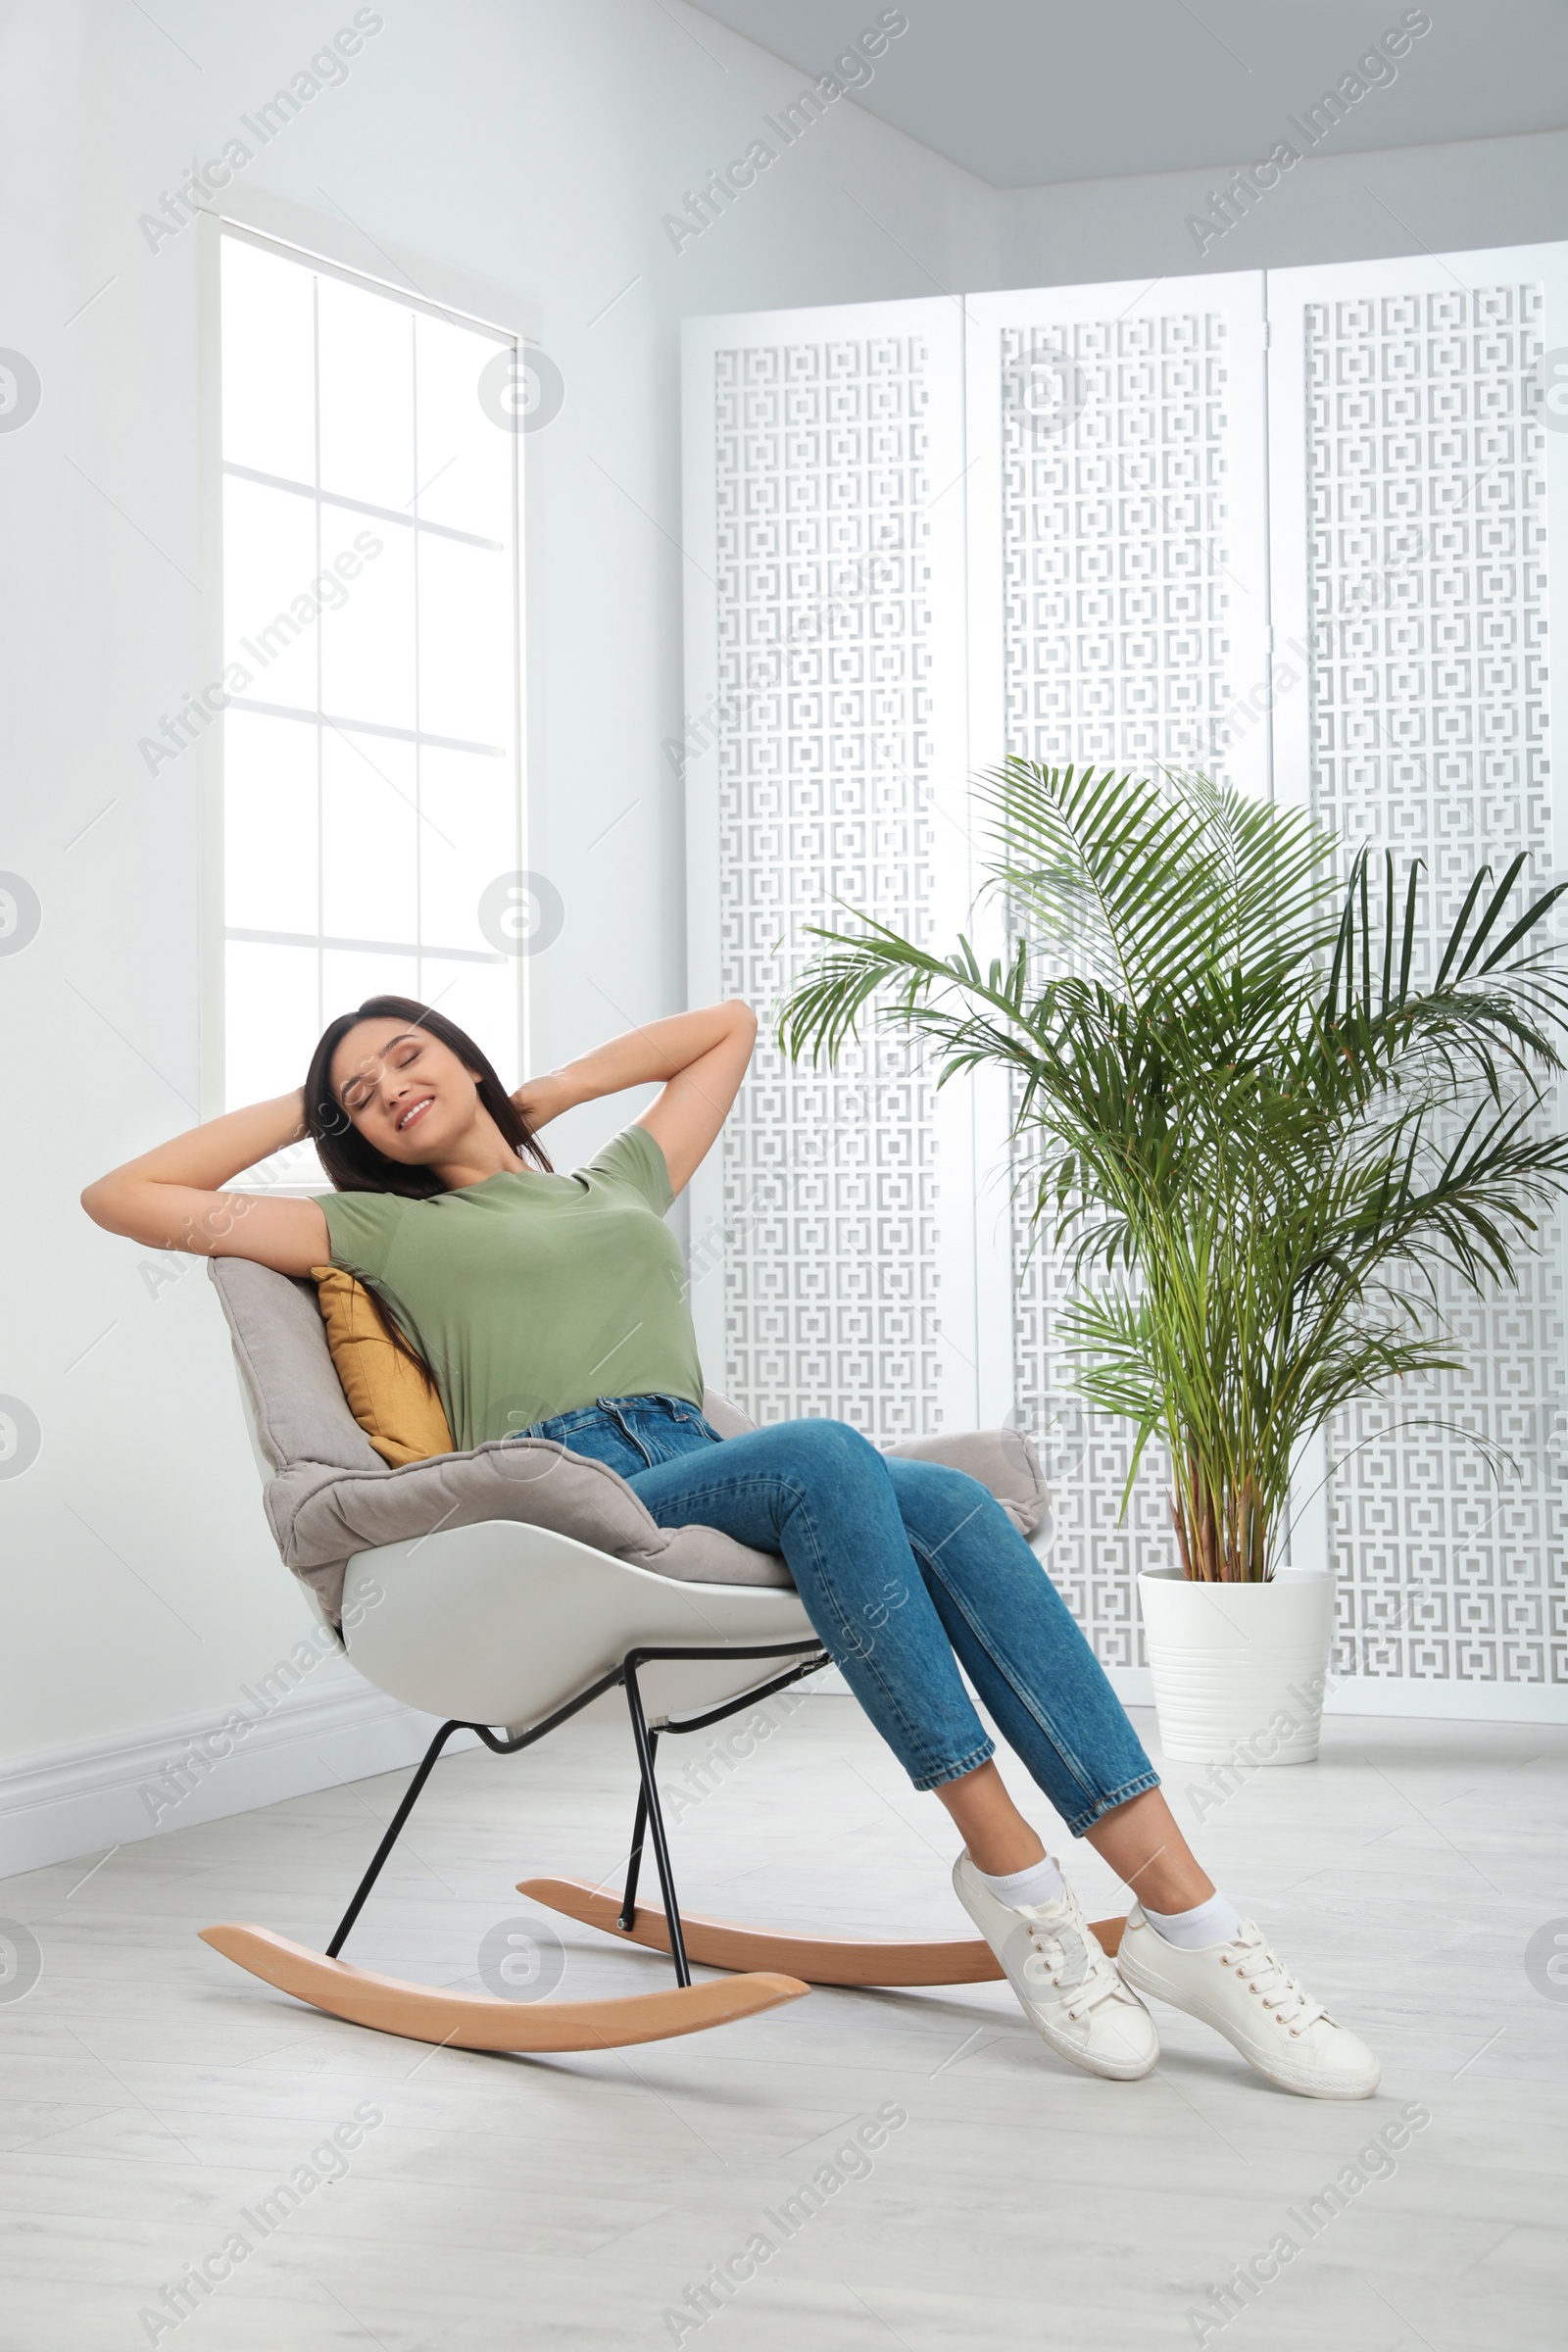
[{"x": 408, "y": 1093}]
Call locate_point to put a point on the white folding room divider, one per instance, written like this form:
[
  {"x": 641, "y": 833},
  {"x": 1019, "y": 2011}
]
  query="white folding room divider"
[
  {"x": 1415, "y": 496},
  {"x": 825, "y": 760},
  {"x": 1130, "y": 524},
  {"x": 1118, "y": 610}
]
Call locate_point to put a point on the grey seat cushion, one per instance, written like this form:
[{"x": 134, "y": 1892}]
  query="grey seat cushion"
[
  {"x": 1002, "y": 1459},
  {"x": 329, "y": 1494}
]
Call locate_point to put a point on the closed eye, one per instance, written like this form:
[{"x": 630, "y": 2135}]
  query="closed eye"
[{"x": 360, "y": 1092}]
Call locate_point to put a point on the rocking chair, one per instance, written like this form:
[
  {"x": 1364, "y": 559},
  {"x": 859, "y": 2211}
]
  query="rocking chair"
[{"x": 504, "y": 1589}]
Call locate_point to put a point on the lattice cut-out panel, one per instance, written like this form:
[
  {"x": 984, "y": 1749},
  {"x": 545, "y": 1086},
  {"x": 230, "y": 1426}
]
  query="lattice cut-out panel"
[
  {"x": 825, "y": 657},
  {"x": 1120, "y": 568},
  {"x": 1118, "y": 591},
  {"x": 1427, "y": 562}
]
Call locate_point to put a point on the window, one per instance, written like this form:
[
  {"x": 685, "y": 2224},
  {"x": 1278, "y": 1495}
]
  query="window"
[{"x": 370, "y": 790}]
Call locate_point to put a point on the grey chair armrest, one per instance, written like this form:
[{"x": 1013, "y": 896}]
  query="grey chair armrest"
[{"x": 1003, "y": 1460}]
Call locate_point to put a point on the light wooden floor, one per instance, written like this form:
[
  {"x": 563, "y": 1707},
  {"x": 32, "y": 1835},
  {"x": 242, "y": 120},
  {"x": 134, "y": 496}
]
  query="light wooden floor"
[{"x": 152, "y": 2095}]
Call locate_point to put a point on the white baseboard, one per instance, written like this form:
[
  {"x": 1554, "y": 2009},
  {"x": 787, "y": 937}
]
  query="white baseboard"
[
  {"x": 1357, "y": 1694},
  {"x": 1397, "y": 1695},
  {"x": 77, "y": 1800},
  {"x": 1450, "y": 1702}
]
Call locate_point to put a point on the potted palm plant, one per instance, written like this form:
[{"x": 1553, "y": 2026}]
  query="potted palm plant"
[{"x": 1262, "y": 1112}]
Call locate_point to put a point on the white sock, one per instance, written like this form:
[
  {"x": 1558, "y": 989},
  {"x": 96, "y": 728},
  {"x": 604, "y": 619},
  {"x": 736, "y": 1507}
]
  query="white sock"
[
  {"x": 1216, "y": 1921},
  {"x": 1041, "y": 1882}
]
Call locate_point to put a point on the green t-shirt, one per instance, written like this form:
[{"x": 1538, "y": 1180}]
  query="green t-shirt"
[{"x": 530, "y": 1295}]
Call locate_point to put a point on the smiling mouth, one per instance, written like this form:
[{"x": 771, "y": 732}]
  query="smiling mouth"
[{"x": 415, "y": 1112}]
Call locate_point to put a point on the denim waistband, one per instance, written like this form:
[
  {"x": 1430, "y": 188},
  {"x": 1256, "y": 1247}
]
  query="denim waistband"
[
  {"x": 582, "y": 1417},
  {"x": 629, "y": 1434}
]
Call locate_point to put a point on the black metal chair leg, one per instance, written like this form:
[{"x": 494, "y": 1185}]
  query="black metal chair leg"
[
  {"x": 410, "y": 1799},
  {"x": 649, "y": 1816},
  {"x": 655, "y": 1824},
  {"x": 634, "y": 1862}
]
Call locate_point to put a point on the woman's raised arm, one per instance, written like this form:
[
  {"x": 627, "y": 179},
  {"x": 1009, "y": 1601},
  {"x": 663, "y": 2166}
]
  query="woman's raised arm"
[
  {"x": 169, "y": 1197},
  {"x": 701, "y": 1056}
]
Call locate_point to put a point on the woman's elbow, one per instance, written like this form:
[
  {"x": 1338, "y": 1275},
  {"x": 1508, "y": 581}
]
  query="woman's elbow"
[{"x": 105, "y": 1205}]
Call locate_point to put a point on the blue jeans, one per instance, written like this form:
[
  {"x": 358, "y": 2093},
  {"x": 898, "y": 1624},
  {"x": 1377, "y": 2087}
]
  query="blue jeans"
[{"x": 906, "y": 1570}]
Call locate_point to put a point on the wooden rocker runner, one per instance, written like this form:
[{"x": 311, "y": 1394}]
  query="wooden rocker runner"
[{"x": 514, "y": 1586}]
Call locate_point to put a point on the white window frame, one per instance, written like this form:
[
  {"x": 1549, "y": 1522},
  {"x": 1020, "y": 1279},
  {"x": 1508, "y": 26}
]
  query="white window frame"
[{"x": 214, "y": 928}]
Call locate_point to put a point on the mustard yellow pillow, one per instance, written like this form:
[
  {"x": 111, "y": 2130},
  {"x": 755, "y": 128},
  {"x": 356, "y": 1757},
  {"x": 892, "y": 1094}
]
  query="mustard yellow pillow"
[{"x": 391, "y": 1395}]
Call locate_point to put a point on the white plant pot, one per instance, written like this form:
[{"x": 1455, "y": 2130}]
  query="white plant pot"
[{"x": 1239, "y": 1670}]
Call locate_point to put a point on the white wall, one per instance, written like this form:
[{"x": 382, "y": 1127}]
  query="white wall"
[
  {"x": 516, "y": 155},
  {"x": 1326, "y": 208}
]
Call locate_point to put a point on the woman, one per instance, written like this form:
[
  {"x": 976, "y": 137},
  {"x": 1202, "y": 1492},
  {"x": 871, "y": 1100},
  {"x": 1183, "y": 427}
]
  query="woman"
[{"x": 554, "y": 1307}]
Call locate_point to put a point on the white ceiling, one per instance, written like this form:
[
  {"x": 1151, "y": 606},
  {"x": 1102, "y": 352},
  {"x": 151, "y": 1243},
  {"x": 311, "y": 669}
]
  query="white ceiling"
[{"x": 1026, "y": 91}]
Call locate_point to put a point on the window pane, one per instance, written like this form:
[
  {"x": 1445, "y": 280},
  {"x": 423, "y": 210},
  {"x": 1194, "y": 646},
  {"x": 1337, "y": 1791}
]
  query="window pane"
[
  {"x": 269, "y": 853},
  {"x": 268, "y": 610},
  {"x": 368, "y": 640},
  {"x": 369, "y": 871},
  {"x": 366, "y": 395},
  {"x": 346, "y": 979},
  {"x": 482, "y": 998},
  {"x": 466, "y": 632},
  {"x": 270, "y": 1023},
  {"x": 269, "y": 360},
  {"x": 468, "y": 837},
  {"x": 465, "y": 457}
]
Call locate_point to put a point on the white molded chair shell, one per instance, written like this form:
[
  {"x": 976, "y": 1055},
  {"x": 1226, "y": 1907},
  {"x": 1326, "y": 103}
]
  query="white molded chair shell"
[{"x": 500, "y": 1623}]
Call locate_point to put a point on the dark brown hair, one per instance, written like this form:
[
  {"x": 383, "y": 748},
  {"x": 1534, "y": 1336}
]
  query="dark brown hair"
[{"x": 351, "y": 1159}]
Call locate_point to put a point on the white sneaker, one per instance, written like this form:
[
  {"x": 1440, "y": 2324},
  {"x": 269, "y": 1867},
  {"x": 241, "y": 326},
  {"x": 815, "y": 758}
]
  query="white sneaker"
[
  {"x": 1071, "y": 1992},
  {"x": 1245, "y": 1991}
]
